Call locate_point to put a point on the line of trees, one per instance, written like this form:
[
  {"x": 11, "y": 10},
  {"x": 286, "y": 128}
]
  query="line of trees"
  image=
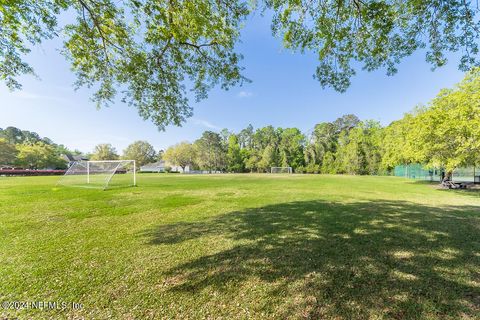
[
  {"x": 26, "y": 149},
  {"x": 346, "y": 145}
]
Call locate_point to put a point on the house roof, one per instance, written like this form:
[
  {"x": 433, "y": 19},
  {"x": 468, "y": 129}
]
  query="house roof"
[
  {"x": 79, "y": 157},
  {"x": 158, "y": 164},
  {"x": 74, "y": 157}
]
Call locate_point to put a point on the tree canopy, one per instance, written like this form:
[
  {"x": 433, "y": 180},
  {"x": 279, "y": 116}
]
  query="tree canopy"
[
  {"x": 445, "y": 133},
  {"x": 182, "y": 154},
  {"x": 145, "y": 51},
  {"x": 104, "y": 151},
  {"x": 28, "y": 149},
  {"x": 140, "y": 151},
  {"x": 151, "y": 53},
  {"x": 211, "y": 151},
  {"x": 15, "y": 135},
  {"x": 376, "y": 34},
  {"x": 38, "y": 155}
]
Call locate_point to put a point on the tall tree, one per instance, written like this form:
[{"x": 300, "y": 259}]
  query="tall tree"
[
  {"x": 264, "y": 137},
  {"x": 235, "y": 161},
  {"x": 372, "y": 146},
  {"x": 264, "y": 149},
  {"x": 268, "y": 159},
  {"x": 346, "y": 122},
  {"x": 225, "y": 135},
  {"x": 245, "y": 137},
  {"x": 104, "y": 151},
  {"x": 291, "y": 148},
  {"x": 140, "y": 151},
  {"x": 211, "y": 154},
  {"x": 323, "y": 139},
  {"x": 182, "y": 154}
]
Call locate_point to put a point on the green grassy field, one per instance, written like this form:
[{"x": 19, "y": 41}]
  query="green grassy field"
[{"x": 241, "y": 246}]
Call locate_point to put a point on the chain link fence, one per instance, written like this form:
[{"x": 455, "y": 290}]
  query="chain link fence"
[{"x": 419, "y": 172}]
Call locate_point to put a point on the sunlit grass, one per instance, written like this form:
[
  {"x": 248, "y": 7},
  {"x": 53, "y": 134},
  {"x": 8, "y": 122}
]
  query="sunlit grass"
[{"x": 239, "y": 246}]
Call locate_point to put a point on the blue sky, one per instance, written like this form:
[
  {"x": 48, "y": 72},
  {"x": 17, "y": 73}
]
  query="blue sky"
[{"x": 283, "y": 93}]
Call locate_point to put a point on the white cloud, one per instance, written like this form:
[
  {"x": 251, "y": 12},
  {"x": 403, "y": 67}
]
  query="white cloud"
[
  {"x": 245, "y": 94},
  {"x": 205, "y": 123}
]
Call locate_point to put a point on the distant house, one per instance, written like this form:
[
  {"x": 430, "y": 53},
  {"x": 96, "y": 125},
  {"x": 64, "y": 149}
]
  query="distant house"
[
  {"x": 160, "y": 166},
  {"x": 72, "y": 158}
]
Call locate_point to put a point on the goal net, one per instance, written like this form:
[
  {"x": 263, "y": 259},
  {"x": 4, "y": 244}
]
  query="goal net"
[
  {"x": 100, "y": 174},
  {"x": 281, "y": 170}
]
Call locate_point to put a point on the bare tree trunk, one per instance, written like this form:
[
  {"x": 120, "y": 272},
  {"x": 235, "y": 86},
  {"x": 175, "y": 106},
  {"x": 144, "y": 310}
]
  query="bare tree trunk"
[{"x": 448, "y": 176}]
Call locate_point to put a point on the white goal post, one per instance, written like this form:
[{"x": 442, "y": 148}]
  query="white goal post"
[
  {"x": 281, "y": 170},
  {"x": 100, "y": 174}
]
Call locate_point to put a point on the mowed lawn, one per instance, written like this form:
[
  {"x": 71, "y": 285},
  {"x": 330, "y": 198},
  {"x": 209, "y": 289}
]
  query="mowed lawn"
[{"x": 241, "y": 246}]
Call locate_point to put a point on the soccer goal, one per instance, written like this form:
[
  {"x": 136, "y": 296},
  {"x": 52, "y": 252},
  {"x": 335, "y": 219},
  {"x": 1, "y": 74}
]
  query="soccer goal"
[
  {"x": 100, "y": 174},
  {"x": 281, "y": 170}
]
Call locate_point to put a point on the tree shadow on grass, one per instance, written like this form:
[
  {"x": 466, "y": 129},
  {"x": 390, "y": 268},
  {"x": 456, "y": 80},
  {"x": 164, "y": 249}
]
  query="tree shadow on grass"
[{"x": 359, "y": 260}]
